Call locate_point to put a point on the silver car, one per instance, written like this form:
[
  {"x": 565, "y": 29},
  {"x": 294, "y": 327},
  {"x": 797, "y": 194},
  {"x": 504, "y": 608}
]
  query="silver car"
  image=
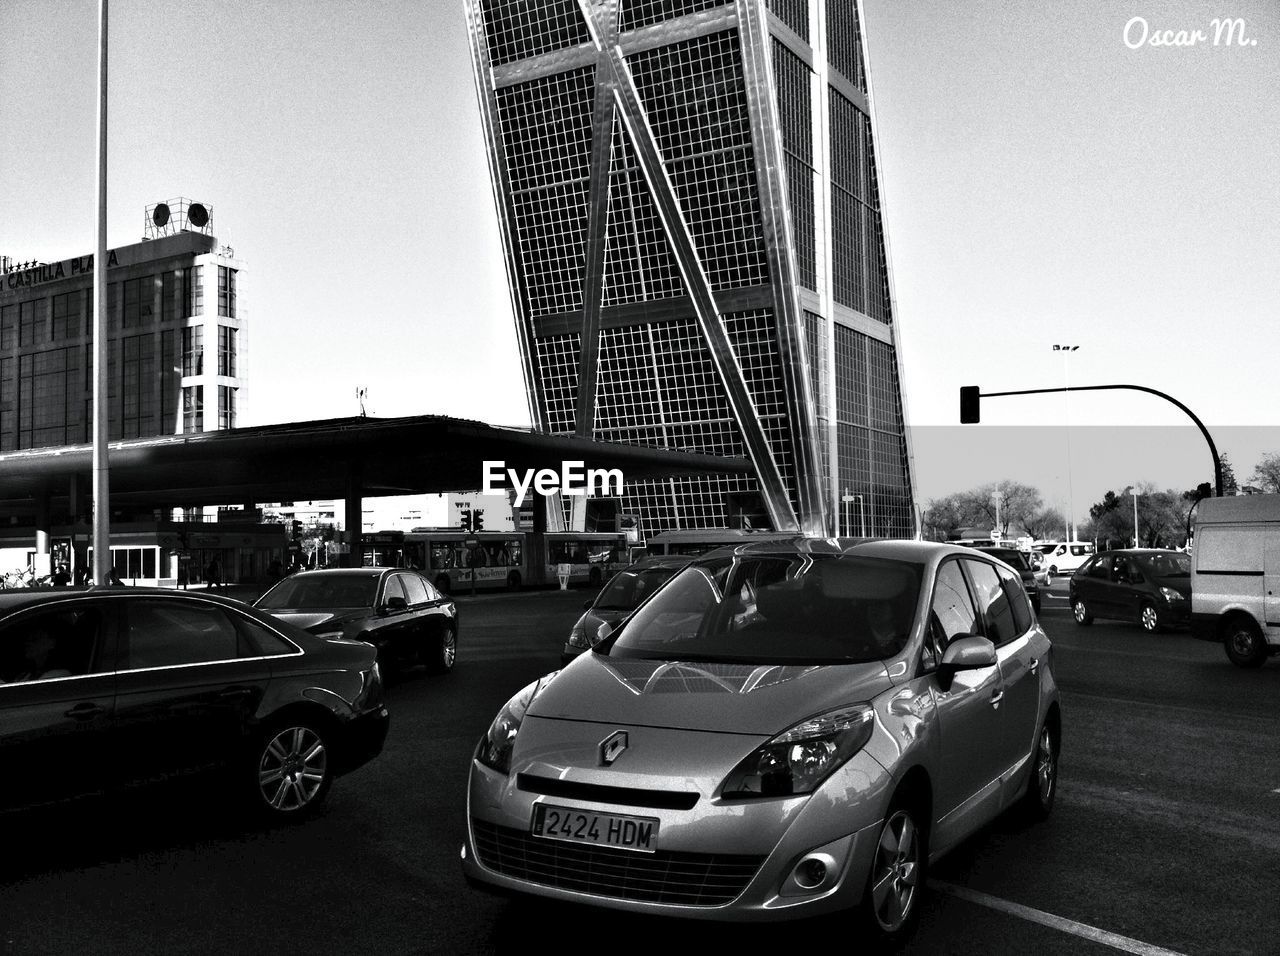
[{"x": 787, "y": 730}]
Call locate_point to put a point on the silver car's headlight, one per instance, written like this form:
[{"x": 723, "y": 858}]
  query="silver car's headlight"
[
  {"x": 797, "y": 760},
  {"x": 578, "y": 636},
  {"x": 1171, "y": 595},
  {"x": 499, "y": 740}
]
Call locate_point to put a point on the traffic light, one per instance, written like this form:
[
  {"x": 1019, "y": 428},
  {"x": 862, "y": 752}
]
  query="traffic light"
[
  {"x": 296, "y": 528},
  {"x": 465, "y": 520},
  {"x": 970, "y": 396},
  {"x": 477, "y": 519}
]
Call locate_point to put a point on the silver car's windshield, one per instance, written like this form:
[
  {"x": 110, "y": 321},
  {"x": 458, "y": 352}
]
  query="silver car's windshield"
[
  {"x": 801, "y": 609},
  {"x": 322, "y": 591}
]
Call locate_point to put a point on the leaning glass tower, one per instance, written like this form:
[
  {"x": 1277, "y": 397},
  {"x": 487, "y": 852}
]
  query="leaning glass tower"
[{"x": 691, "y": 222}]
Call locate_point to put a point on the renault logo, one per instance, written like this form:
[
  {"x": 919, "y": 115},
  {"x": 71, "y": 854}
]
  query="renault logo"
[{"x": 612, "y": 746}]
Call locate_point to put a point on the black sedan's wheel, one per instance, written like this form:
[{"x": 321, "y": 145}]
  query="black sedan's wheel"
[
  {"x": 1043, "y": 785},
  {"x": 1080, "y": 611},
  {"x": 1245, "y": 644},
  {"x": 1149, "y": 617},
  {"x": 445, "y": 653},
  {"x": 294, "y": 770},
  {"x": 890, "y": 905}
]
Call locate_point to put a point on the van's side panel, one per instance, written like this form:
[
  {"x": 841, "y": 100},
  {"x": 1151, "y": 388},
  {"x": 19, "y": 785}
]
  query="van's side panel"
[{"x": 1236, "y": 564}]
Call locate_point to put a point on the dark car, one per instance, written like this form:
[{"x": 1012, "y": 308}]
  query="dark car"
[
  {"x": 1021, "y": 563},
  {"x": 396, "y": 610},
  {"x": 1151, "y": 587},
  {"x": 620, "y": 597},
  {"x": 103, "y": 688}
]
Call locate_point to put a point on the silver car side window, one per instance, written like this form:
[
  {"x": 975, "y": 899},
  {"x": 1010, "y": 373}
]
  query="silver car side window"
[{"x": 952, "y": 611}]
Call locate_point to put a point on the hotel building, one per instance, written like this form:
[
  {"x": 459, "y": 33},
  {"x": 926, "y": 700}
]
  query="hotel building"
[{"x": 690, "y": 211}]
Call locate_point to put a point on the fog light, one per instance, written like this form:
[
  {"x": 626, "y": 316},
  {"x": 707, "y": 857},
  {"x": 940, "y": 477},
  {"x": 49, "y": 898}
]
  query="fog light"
[
  {"x": 464, "y": 852},
  {"x": 811, "y": 873}
]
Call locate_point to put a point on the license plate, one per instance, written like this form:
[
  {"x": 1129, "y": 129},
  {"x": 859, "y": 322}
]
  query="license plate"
[{"x": 600, "y": 829}]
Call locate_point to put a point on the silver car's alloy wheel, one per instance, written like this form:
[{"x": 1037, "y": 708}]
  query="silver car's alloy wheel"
[
  {"x": 1150, "y": 618},
  {"x": 448, "y": 649},
  {"x": 1080, "y": 611},
  {"x": 292, "y": 769},
  {"x": 896, "y": 871},
  {"x": 1046, "y": 767}
]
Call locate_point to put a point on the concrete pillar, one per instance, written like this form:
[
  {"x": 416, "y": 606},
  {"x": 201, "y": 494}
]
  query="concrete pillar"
[
  {"x": 79, "y": 535},
  {"x": 537, "y": 539},
  {"x": 42, "y": 520},
  {"x": 353, "y": 515}
]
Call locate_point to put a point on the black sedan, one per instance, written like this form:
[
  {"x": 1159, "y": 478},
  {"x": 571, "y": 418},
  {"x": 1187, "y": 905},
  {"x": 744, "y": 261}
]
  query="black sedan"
[
  {"x": 1021, "y": 563},
  {"x": 622, "y": 595},
  {"x": 101, "y": 688},
  {"x": 396, "y": 610},
  {"x": 1149, "y": 586}
]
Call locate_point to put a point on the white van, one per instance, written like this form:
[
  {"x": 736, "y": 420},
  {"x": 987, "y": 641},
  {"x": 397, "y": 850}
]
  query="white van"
[
  {"x": 1235, "y": 576},
  {"x": 1063, "y": 557}
]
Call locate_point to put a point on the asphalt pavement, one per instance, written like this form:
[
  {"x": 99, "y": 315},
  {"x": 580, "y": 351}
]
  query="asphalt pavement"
[{"x": 1165, "y": 837}]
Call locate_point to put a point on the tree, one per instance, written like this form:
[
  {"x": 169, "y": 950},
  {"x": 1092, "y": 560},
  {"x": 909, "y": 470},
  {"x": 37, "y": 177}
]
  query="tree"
[
  {"x": 1229, "y": 484},
  {"x": 1266, "y": 474},
  {"x": 1019, "y": 504},
  {"x": 1045, "y": 524},
  {"x": 1162, "y": 517}
]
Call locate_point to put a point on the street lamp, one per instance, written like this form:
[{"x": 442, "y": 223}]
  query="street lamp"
[
  {"x": 848, "y": 499},
  {"x": 1066, "y": 351},
  {"x": 996, "y": 534},
  {"x": 1134, "y": 490}
]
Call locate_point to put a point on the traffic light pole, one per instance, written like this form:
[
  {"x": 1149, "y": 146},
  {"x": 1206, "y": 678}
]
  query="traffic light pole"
[{"x": 969, "y": 411}]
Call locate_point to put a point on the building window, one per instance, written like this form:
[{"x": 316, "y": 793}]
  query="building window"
[
  {"x": 193, "y": 351},
  {"x": 192, "y": 409},
  {"x": 195, "y": 290},
  {"x": 170, "y": 284},
  {"x": 226, "y": 407},
  {"x": 138, "y": 306},
  {"x": 226, "y": 350},
  {"x": 137, "y": 386},
  {"x": 227, "y": 292},
  {"x": 8, "y": 327},
  {"x": 29, "y": 316},
  {"x": 66, "y": 315}
]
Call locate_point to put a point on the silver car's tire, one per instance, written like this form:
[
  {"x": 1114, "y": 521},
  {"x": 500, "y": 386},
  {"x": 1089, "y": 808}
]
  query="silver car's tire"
[
  {"x": 1042, "y": 787},
  {"x": 891, "y": 904},
  {"x": 293, "y": 770},
  {"x": 1244, "y": 643},
  {"x": 1080, "y": 611},
  {"x": 1149, "y": 618}
]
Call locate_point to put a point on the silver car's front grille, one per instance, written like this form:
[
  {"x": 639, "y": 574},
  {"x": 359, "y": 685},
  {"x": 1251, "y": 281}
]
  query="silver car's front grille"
[{"x": 687, "y": 879}]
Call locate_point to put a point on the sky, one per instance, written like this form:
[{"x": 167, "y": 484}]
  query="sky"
[{"x": 1042, "y": 183}]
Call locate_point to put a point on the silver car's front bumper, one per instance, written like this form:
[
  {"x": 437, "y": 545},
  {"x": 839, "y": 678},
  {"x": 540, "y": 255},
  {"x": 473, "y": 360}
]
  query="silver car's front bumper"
[{"x": 710, "y": 849}]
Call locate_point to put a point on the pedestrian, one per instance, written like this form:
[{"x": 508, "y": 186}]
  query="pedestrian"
[
  {"x": 61, "y": 577},
  {"x": 214, "y": 574},
  {"x": 82, "y": 575},
  {"x": 114, "y": 578},
  {"x": 182, "y": 574}
]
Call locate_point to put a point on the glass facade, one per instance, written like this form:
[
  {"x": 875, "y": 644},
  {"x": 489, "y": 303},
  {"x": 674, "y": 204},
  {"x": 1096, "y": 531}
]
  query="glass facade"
[
  {"x": 656, "y": 304},
  {"x": 156, "y": 341}
]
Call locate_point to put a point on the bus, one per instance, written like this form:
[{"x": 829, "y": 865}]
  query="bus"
[{"x": 457, "y": 560}]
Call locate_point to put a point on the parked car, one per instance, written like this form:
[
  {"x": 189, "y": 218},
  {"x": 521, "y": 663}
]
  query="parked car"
[
  {"x": 105, "y": 688},
  {"x": 1019, "y": 561},
  {"x": 1063, "y": 557},
  {"x": 622, "y": 595},
  {"x": 791, "y": 729},
  {"x": 1151, "y": 587},
  {"x": 396, "y": 610},
  {"x": 1235, "y": 576}
]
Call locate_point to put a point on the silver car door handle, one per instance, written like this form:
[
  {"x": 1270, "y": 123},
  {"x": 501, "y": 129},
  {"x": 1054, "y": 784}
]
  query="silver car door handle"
[
  {"x": 996, "y": 697},
  {"x": 1035, "y": 664}
]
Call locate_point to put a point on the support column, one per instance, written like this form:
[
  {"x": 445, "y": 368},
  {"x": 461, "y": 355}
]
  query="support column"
[
  {"x": 79, "y": 530},
  {"x": 42, "y": 520},
  {"x": 353, "y": 516},
  {"x": 536, "y": 542}
]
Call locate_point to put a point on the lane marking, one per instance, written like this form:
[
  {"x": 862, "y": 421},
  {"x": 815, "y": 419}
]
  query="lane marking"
[{"x": 1083, "y": 930}]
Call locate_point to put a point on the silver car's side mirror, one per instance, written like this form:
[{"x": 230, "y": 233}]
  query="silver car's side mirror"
[
  {"x": 965, "y": 654},
  {"x": 604, "y": 630}
]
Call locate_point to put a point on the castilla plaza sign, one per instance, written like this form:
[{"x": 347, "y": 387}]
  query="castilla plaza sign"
[{"x": 52, "y": 271}]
